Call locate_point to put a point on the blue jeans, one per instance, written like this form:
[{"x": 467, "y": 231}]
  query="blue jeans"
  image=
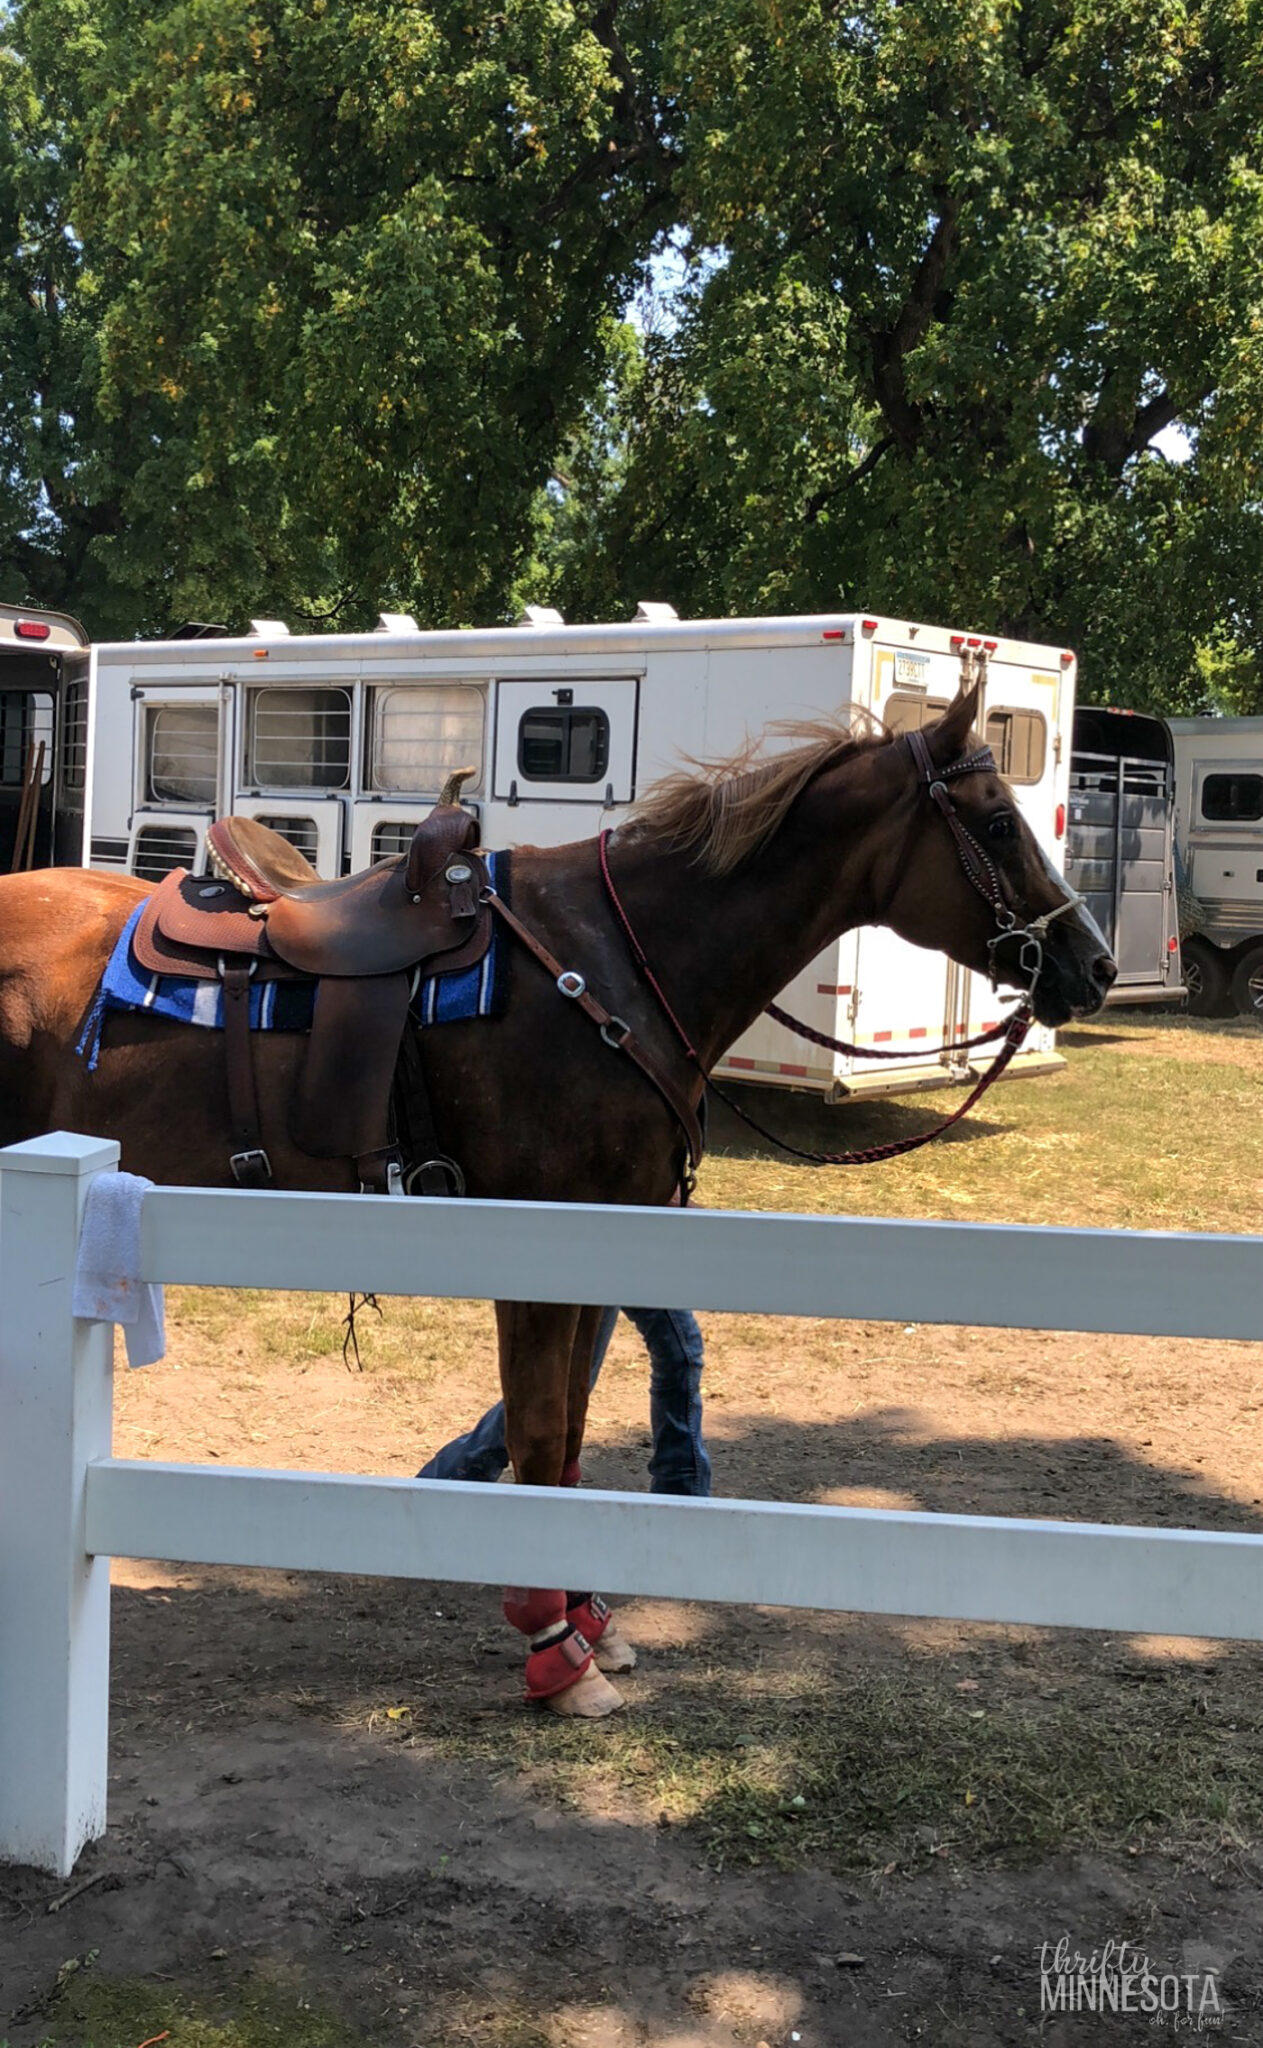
[{"x": 679, "y": 1463}]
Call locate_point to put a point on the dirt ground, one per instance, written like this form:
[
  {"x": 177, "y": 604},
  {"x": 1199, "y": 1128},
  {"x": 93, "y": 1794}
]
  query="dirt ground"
[{"x": 332, "y": 1818}]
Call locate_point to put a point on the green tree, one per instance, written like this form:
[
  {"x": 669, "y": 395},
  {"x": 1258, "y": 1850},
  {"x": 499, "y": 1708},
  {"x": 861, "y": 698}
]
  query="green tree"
[
  {"x": 311, "y": 307},
  {"x": 43, "y": 529},
  {"x": 351, "y": 272},
  {"x": 974, "y": 258}
]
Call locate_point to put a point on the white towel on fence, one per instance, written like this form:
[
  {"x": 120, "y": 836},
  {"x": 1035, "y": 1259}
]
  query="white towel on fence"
[{"x": 108, "y": 1286}]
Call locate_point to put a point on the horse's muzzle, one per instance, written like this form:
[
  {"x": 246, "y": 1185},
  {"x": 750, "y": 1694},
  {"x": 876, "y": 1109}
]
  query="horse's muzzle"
[{"x": 1068, "y": 990}]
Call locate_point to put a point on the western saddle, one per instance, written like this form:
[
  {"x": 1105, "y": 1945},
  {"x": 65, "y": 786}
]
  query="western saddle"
[{"x": 266, "y": 915}]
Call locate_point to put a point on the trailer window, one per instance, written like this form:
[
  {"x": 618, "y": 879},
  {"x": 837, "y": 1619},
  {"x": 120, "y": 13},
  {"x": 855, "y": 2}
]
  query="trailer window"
[
  {"x": 566, "y": 744},
  {"x": 392, "y": 838},
  {"x": 299, "y": 739},
  {"x": 421, "y": 732},
  {"x": 909, "y": 714},
  {"x": 182, "y": 754},
  {"x": 1019, "y": 741},
  {"x": 1232, "y": 799},
  {"x": 74, "y": 734},
  {"x": 160, "y": 848}
]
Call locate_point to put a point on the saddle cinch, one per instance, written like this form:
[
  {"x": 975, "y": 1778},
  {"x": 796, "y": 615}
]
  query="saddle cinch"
[{"x": 265, "y": 914}]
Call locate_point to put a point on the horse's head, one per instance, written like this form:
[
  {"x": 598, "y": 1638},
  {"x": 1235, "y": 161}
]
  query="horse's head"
[{"x": 973, "y": 881}]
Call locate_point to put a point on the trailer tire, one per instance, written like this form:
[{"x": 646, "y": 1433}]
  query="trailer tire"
[
  {"x": 1206, "y": 977},
  {"x": 1247, "y": 983}
]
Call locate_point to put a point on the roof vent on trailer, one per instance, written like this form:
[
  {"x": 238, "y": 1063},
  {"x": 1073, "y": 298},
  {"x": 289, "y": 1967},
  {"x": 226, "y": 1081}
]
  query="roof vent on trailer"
[
  {"x": 396, "y": 622},
  {"x": 650, "y": 613},
  {"x": 268, "y": 629},
  {"x": 540, "y": 615}
]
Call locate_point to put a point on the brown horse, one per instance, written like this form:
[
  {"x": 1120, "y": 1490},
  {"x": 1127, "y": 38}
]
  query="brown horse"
[{"x": 733, "y": 879}]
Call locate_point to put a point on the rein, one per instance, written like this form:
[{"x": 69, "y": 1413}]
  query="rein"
[
  {"x": 1014, "y": 1029},
  {"x": 982, "y": 872}
]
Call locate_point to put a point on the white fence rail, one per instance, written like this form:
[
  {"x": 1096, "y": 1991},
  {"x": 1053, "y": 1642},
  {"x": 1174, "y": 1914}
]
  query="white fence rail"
[{"x": 67, "y": 1505}]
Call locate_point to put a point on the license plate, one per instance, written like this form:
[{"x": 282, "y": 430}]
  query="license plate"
[{"x": 912, "y": 668}]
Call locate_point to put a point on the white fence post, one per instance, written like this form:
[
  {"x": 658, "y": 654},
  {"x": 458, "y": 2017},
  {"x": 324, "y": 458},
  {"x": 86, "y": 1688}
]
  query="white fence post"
[{"x": 55, "y": 1415}]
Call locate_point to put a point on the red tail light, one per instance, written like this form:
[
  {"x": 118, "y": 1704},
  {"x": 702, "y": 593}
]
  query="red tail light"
[
  {"x": 1059, "y": 821},
  {"x": 1172, "y": 944},
  {"x": 32, "y": 629},
  {"x": 869, "y": 625}
]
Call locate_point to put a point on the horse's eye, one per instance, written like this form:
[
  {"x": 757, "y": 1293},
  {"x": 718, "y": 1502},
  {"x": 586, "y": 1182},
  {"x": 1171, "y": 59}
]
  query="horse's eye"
[{"x": 1002, "y": 826}]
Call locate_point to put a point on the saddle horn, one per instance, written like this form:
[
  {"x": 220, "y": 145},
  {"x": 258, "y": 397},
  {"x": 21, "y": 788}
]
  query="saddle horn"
[{"x": 450, "y": 792}]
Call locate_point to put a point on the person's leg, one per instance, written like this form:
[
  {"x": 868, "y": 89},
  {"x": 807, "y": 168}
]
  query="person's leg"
[
  {"x": 679, "y": 1463},
  {"x": 483, "y": 1452},
  {"x": 604, "y": 1331}
]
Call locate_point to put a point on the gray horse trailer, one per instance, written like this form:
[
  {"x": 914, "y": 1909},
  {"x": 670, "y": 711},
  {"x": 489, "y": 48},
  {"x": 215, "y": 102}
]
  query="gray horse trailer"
[{"x": 1120, "y": 846}]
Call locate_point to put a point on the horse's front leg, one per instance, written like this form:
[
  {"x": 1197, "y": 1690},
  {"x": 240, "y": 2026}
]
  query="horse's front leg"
[
  {"x": 587, "y": 1611},
  {"x": 537, "y": 1349}
]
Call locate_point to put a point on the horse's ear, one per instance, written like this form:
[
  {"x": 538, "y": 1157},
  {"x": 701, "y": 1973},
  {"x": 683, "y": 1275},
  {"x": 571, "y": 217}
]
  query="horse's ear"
[{"x": 948, "y": 736}]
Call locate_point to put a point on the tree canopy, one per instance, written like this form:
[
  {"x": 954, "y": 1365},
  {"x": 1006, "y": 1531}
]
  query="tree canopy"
[
  {"x": 347, "y": 273},
  {"x": 311, "y": 308}
]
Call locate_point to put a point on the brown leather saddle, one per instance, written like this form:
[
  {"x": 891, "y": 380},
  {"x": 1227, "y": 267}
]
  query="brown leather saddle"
[{"x": 265, "y": 914}]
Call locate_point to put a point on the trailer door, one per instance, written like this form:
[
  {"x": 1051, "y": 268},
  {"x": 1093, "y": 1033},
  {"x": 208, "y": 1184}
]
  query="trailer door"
[
  {"x": 417, "y": 735},
  {"x": 296, "y": 753},
  {"x": 565, "y": 751},
  {"x": 919, "y": 1003},
  {"x": 1122, "y": 808},
  {"x": 1225, "y": 845},
  {"x": 178, "y": 757},
  {"x": 1027, "y": 729},
  {"x": 905, "y": 999}
]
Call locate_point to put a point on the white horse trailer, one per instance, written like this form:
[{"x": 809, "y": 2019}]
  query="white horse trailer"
[
  {"x": 342, "y": 741},
  {"x": 1219, "y": 838}
]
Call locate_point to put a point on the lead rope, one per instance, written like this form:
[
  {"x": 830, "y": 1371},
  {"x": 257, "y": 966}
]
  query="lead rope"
[
  {"x": 1013, "y": 1032},
  {"x": 871, "y": 1052}
]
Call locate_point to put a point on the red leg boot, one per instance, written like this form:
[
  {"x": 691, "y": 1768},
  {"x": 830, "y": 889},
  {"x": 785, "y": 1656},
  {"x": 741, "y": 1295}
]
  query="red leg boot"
[{"x": 560, "y": 1668}]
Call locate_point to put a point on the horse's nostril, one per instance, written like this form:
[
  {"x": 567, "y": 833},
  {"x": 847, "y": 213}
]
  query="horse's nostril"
[{"x": 1105, "y": 970}]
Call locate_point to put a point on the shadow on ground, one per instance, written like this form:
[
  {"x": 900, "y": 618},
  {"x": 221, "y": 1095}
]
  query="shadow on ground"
[{"x": 327, "y": 1797}]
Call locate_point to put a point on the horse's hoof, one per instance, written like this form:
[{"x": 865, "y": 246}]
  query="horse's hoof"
[
  {"x": 614, "y": 1652},
  {"x": 590, "y": 1698}
]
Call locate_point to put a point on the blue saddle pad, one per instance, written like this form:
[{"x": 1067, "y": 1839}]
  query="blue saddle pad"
[{"x": 439, "y": 998}]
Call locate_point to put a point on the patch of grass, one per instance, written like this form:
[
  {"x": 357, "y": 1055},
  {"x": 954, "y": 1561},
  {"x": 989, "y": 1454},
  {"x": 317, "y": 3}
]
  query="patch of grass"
[
  {"x": 92, "y": 2012},
  {"x": 97, "y": 2012},
  {"x": 1118, "y": 1138},
  {"x": 895, "y": 1772},
  {"x": 411, "y": 1338}
]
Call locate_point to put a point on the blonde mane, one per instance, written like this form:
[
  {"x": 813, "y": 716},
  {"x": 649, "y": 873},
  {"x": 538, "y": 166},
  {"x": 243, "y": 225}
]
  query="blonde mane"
[{"x": 726, "y": 811}]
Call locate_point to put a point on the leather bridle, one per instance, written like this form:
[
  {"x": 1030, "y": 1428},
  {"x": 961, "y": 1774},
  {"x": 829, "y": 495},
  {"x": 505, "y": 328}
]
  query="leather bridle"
[
  {"x": 978, "y": 865},
  {"x": 983, "y": 873}
]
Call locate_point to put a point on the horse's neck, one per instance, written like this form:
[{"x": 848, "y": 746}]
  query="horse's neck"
[{"x": 722, "y": 947}]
